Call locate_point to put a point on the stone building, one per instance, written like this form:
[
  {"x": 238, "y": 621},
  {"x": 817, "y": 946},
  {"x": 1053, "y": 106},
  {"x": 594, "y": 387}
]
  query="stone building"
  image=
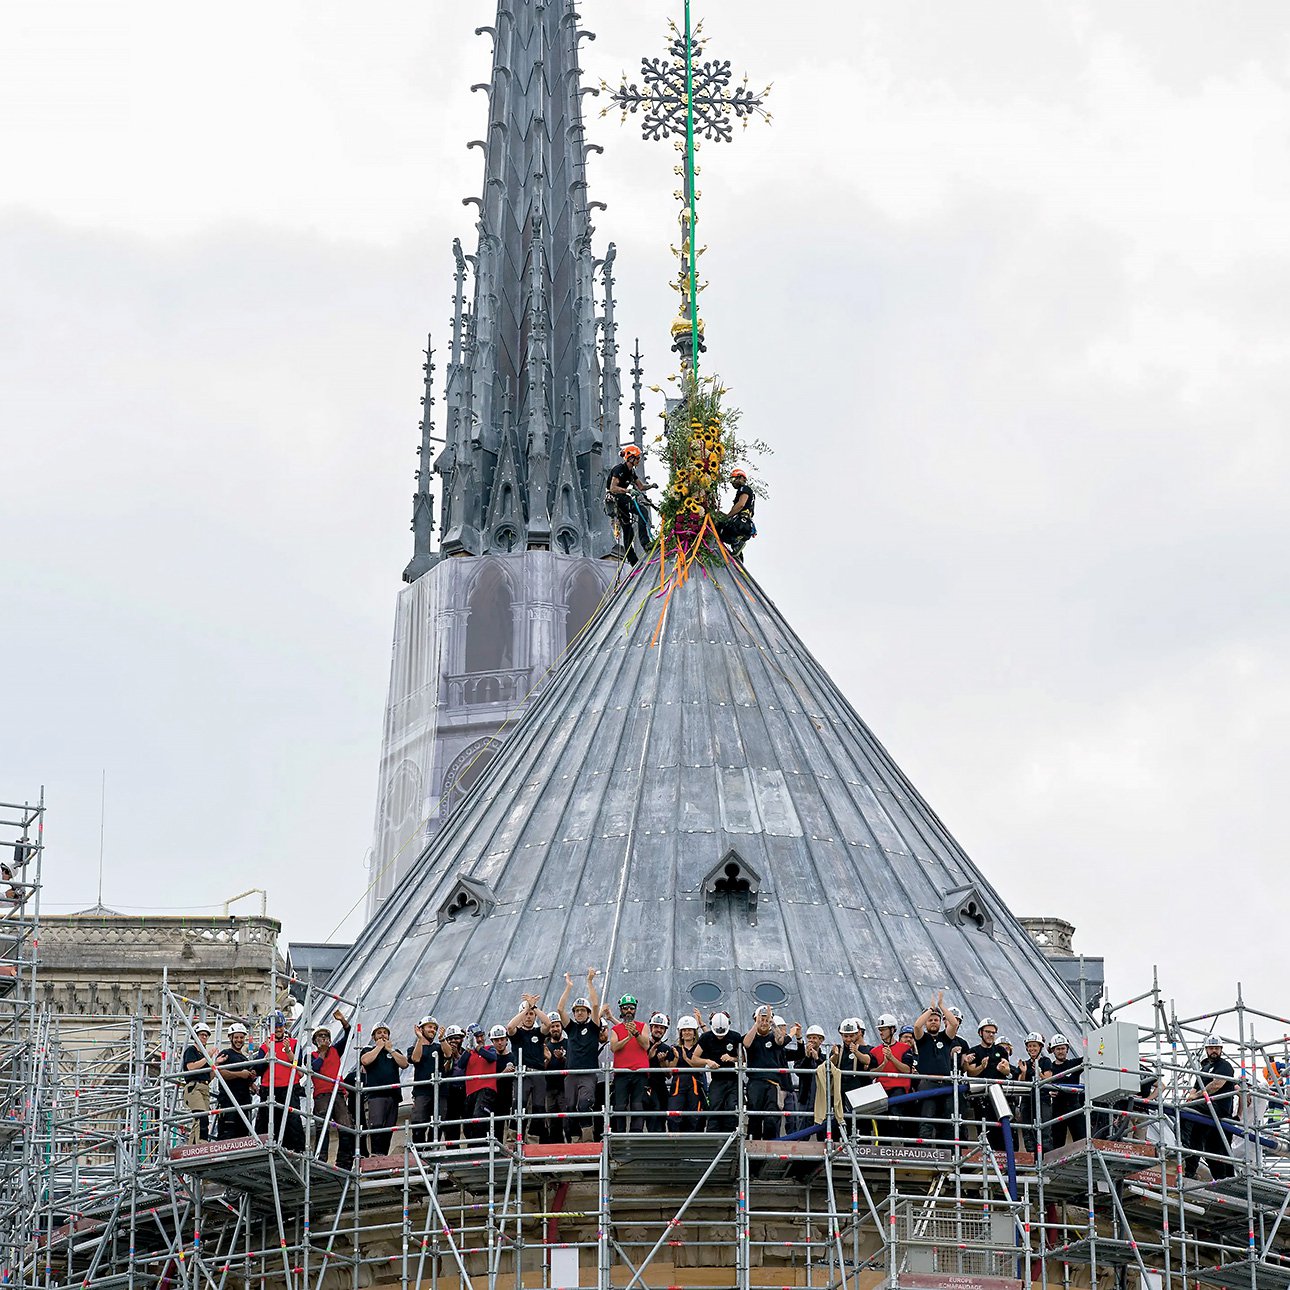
[
  {"x": 103, "y": 967},
  {"x": 1085, "y": 975}
]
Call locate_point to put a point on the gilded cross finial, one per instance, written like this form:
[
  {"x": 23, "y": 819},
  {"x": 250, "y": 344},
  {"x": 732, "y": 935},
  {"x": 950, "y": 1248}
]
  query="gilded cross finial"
[{"x": 688, "y": 96}]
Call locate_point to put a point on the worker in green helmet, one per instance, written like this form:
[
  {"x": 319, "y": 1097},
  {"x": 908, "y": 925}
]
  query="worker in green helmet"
[{"x": 629, "y": 1042}]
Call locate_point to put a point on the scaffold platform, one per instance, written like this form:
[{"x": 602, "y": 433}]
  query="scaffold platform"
[
  {"x": 1103, "y": 1251},
  {"x": 645, "y": 1157},
  {"x": 943, "y": 1281},
  {"x": 1263, "y": 1192},
  {"x": 262, "y": 1169},
  {"x": 1065, "y": 1170},
  {"x": 1244, "y": 1273}
]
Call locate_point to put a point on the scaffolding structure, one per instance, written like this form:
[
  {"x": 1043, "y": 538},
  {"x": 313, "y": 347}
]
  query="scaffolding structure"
[
  {"x": 128, "y": 1198},
  {"x": 22, "y": 845}
]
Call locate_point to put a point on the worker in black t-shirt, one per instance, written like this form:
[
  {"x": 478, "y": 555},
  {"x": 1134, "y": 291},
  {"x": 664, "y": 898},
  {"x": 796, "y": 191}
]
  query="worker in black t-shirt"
[
  {"x": 424, "y": 1056},
  {"x": 1033, "y": 1069},
  {"x": 196, "y": 1065},
  {"x": 721, "y": 1046},
  {"x": 808, "y": 1058},
  {"x": 1065, "y": 1105},
  {"x": 527, "y": 1030},
  {"x": 764, "y": 1058},
  {"x": 627, "y": 495},
  {"x": 662, "y": 1062},
  {"x": 585, "y": 1037},
  {"x": 556, "y": 1051},
  {"x": 737, "y": 527},
  {"x": 237, "y": 1070},
  {"x": 689, "y": 1097},
  {"x": 790, "y": 1042},
  {"x": 380, "y": 1066},
  {"x": 1215, "y": 1091},
  {"x": 934, "y": 1050},
  {"x": 452, "y": 1089},
  {"x": 988, "y": 1061}
]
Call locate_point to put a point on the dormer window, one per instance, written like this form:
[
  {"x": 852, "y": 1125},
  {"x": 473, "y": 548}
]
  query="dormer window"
[
  {"x": 965, "y": 907},
  {"x": 733, "y": 882},
  {"x": 469, "y": 898}
]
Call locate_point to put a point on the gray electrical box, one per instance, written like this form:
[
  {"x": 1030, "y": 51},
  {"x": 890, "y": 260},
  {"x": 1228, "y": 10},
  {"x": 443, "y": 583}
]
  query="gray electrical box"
[{"x": 1111, "y": 1062}]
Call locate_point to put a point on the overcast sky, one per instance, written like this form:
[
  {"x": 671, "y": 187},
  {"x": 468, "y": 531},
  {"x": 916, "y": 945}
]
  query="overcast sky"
[{"x": 1006, "y": 285}]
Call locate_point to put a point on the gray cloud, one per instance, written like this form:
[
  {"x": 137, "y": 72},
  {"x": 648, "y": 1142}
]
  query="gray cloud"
[{"x": 1002, "y": 288}]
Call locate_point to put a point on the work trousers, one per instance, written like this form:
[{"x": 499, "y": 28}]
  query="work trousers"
[
  {"x": 657, "y": 1097},
  {"x": 723, "y": 1093},
  {"x": 480, "y": 1105},
  {"x": 632, "y": 530},
  {"x": 555, "y": 1125},
  {"x": 629, "y": 1096},
  {"x": 452, "y": 1109},
  {"x": 763, "y": 1108},
  {"x": 579, "y": 1101},
  {"x": 1070, "y": 1129},
  {"x": 686, "y": 1105},
  {"x": 380, "y": 1115},
  {"x": 981, "y": 1109},
  {"x": 1211, "y": 1140},
  {"x": 931, "y": 1110},
  {"x": 229, "y": 1122},
  {"x": 532, "y": 1120},
  {"x": 423, "y": 1114},
  {"x": 342, "y": 1121},
  {"x": 788, "y": 1104},
  {"x": 275, "y": 1103},
  {"x": 197, "y": 1098},
  {"x": 900, "y": 1121},
  {"x": 735, "y": 532}
]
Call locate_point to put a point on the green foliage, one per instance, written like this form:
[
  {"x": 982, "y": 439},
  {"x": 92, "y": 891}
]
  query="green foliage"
[{"x": 701, "y": 445}]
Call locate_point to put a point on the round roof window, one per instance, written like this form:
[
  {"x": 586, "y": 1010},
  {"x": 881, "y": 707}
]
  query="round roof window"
[
  {"x": 706, "y": 992},
  {"x": 769, "y": 992}
]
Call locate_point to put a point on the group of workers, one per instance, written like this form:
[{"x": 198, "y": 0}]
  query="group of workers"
[
  {"x": 627, "y": 498},
  {"x": 548, "y": 1073},
  {"x": 545, "y": 1073}
]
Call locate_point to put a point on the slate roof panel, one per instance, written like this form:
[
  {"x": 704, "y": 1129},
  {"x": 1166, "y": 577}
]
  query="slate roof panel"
[{"x": 744, "y": 743}]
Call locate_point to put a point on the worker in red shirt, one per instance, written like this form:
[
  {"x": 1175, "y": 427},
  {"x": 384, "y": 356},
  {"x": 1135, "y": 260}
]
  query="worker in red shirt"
[
  {"x": 281, "y": 1087},
  {"x": 483, "y": 1063},
  {"x": 629, "y": 1042},
  {"x": 892, "y": 1066},
  {"x": 331, "y": 1096}
]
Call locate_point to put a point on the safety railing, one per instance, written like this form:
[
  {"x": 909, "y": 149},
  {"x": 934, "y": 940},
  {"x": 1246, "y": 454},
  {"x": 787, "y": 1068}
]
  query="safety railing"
[{"x": 479, "y": 1177}]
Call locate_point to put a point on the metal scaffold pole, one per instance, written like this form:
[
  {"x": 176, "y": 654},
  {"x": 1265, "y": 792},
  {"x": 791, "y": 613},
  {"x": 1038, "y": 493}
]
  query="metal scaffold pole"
[{"x": 132, "y": 1194}]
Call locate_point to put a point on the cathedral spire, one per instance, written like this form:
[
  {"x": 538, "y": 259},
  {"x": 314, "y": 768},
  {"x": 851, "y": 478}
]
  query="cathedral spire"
[
  {"x": 423, "y": 557},
  {"x": 532, "y": 327}
]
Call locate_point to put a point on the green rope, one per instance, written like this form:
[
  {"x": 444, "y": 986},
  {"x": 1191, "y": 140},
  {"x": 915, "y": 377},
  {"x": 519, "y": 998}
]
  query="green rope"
[{"x": 689, "y": 177}]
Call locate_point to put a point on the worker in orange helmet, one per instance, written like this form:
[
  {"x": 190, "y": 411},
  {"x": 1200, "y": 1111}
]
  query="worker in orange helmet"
[
  {"x": 737, "y": 527},
  {"x": 628, "y": 506}
]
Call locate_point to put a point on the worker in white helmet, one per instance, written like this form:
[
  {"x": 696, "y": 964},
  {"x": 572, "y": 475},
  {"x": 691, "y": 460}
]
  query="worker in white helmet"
[
  {"x": 893, "y": 1064},
  {"x": 1033, "y": 1069},
  {"x": 586, "y": 1034},
  {"x": 721, "y": 1045},
  {"x": 1066, "y": 1101},
  {"x": 809, "y": 1057},
  {"x": 1214, "y": 1095},
  {"x": 663, "y": 1057},
  {"x": 237, "y": 1070},
  {"x": 765, "y": 1059},
  {"x": 937, "y": 1049},
  {"x": 689, "y": 1095},
  {"x": 988, "y": 1061}
]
